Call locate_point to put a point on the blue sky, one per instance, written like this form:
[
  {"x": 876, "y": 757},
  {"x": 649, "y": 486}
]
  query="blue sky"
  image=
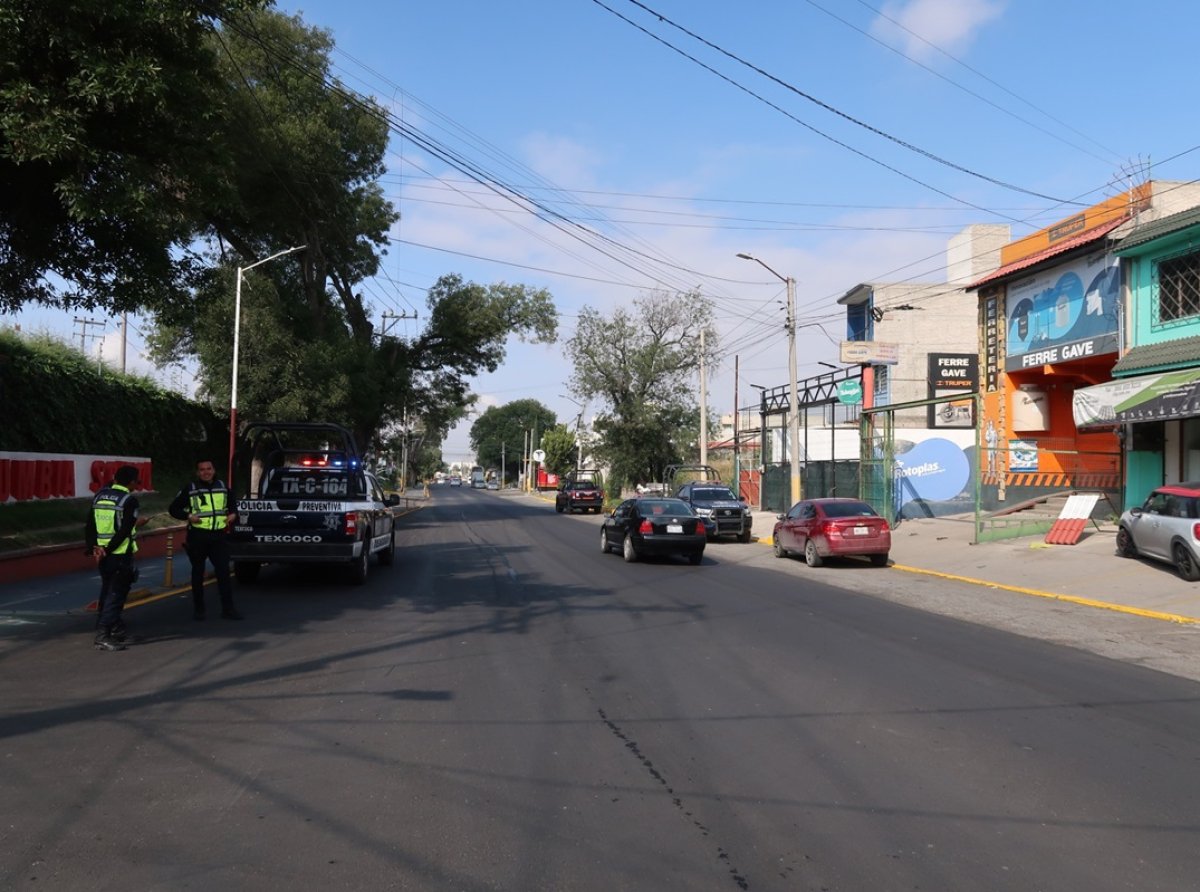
[{"x": 933, "y": 114}]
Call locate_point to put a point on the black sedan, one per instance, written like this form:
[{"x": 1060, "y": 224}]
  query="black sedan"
[{"x": 654, "y": 526}]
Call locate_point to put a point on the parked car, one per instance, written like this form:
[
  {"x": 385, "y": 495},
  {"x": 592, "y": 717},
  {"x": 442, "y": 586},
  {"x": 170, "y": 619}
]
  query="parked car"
[
  {"x": 493, "y": 484},
  {"x": 823, "y": 528},
  {"x": 1166, "y": 527},
  {"x": 657, "y": 526},
  {"x": 723, "y": 512}
]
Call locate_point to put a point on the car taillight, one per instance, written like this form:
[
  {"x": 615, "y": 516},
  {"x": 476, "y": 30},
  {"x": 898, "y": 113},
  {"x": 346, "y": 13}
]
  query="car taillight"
[
  {"x": 646, "y": 527},
  {"x": 1196, "y": 531},
  {"x": 700, "y": 529},
  {"x": 351, "y": 528},
  {"x": 828, "y": 528}
]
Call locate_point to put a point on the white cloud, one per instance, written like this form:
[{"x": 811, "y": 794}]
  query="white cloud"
[{"x": 949, "y": 25}]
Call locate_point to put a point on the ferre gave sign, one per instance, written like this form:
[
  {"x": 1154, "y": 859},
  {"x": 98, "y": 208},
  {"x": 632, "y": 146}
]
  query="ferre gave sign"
[{"x": 953, "y": 375}]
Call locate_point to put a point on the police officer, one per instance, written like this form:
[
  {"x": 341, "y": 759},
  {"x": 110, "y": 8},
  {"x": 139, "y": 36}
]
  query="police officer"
[
  {"x": 111, "y": 537},
  {"x": 205, "y": 504}
]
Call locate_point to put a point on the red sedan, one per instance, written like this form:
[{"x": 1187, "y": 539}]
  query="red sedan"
[{"x": 822, "y": 528}]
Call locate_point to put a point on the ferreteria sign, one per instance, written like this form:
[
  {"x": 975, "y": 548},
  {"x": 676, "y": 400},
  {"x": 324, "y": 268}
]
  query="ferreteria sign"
[{"x": 953, "y": 374}]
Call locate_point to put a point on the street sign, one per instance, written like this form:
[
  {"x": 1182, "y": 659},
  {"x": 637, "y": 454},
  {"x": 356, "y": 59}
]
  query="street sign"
[
  {"x": 539, "y": 455},
  {"x": 849, "y": 392}
]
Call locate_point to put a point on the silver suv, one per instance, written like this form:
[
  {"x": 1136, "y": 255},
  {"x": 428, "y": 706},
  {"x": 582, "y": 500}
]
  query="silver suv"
[{"x": 1166, "y": 527}]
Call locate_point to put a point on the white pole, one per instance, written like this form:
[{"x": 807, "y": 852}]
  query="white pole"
[{"x": 237, "y": 330}]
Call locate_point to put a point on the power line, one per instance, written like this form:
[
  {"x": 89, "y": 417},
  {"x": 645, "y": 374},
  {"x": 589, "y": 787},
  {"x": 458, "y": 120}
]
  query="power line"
[{"x": 820, "y": 103}]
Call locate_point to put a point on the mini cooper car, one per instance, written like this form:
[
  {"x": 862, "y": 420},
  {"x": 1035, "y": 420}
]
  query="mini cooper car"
[{"x": 1166, "y": 527}]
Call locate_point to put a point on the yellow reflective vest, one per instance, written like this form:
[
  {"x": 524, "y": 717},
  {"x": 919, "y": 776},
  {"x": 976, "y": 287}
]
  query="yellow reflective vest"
[
  {"x": 108, "y": 509},
  {"x": 210, "y": 503}
]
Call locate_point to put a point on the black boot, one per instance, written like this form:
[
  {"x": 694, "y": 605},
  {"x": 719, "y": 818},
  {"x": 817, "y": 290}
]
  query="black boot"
[{"x": 106, "y": 641}]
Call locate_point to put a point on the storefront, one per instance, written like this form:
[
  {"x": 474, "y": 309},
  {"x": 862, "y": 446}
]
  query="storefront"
[{"x": 1050, "y": 324}]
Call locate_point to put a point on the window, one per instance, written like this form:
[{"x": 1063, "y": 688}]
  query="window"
[{"x": 1178, "y": 287}]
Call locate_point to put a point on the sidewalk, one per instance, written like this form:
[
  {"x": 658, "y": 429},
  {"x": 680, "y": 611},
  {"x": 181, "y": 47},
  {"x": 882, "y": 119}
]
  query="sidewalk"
[{"x": 1089, "y": 572}]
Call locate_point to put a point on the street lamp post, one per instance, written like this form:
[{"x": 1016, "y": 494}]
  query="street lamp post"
[
  {"x": 793, "y": 397},
  {"x": 237, "y": 331}
]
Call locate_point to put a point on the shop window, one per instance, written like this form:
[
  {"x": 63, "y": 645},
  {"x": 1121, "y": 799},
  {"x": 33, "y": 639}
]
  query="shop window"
[{"x": 1178, "y": 287}]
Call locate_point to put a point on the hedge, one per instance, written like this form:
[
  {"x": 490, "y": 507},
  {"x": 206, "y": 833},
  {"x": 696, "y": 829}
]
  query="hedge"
[{"x": 53, "y": 399}]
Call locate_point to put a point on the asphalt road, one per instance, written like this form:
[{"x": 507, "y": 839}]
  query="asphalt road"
[{"x": 506, "y": 708}]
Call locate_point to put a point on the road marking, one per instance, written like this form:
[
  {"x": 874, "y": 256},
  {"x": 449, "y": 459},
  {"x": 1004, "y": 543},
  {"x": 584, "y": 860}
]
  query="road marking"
[{"x": 1070, "y": 599}]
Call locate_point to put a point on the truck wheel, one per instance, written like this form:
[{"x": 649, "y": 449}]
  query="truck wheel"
[
  {"x": 246, "y": 571},
  {"x": 745, "y": 537},
  {"x": 558, "y": 506},
  {"x": 387, "y": 557},
  {"x": 360, "y": 565}
]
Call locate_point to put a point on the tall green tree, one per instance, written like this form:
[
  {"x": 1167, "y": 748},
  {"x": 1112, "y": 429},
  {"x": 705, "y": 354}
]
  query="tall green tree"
[
  {"x": 642, "y": 364},
  {"x": 505, "y": 428},
  {"x": 110, "y": 126},
  {"x": 307, "y": 156},
  {"x": 561, "y": 448}
]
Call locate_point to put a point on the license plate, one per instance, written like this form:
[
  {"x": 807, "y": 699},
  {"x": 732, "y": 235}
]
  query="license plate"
[
  {"x": 674, "y": 528},
  {"x": 862, "y": 531}
]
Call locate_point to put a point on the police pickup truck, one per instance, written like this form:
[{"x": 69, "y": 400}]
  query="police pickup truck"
[{"x": 304, "y": 497}]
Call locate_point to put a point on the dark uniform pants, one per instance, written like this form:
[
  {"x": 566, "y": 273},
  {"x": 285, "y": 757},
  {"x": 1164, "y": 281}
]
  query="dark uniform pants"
[
  {"x": 204, "y": 547},
  {"x": 117, "y": 575}
]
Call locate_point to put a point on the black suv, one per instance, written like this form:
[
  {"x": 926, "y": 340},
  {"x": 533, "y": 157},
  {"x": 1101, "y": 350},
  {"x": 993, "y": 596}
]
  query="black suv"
[
  {"x": 580, "y": 492},
  {"x": 723, "y": 512}
]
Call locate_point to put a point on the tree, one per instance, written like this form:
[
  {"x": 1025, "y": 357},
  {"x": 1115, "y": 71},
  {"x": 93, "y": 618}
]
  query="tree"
[
  {"x": 306, "y": 158},
  {"x": 109, "y": 111},
  {"x": 642, "y": 364},
  {"x": 506, "y": 427},
  {"x": 561, "y": 448}
]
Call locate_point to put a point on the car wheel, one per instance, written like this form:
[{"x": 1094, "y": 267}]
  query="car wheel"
[
  {"x": 879, "y": 560},
  {"x": 246, "y": 571},
  {"x": 1125, "y": 546},
  {"x": 780, "y": 551},
  {"x": 603, "y": 541},
  {"x": 695, "y": 557},
  {"x": 810, "y": 554},
  {"x": 558, "y": 506},
  {"x": 387, "y": 557},
  {"x": 628, "y": 551},
  {"x": 1185, "y": 562},
  {"x": 360, "y": 566}
]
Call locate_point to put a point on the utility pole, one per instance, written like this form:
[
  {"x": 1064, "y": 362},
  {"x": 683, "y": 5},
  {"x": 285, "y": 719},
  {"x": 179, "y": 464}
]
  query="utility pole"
[
  {"x": 703, "y": 405},
  {"x": 83, "y": 332},
  {"x": 390, "y": 319},
  {"x": 794, "y": 409},
  {"x": 502, "y": 466},
  {"x": 793, "y": 397},
  {"x": 737, "y": 454},
  {"x": 124, "y": 338},
  {"x": 404, "y": 451}
]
